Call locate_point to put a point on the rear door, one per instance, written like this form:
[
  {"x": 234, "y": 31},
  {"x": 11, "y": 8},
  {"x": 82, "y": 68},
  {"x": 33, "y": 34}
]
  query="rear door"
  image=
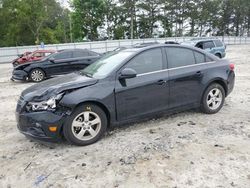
[
  {"x": 61, "y": 63},
  {"x": 185, "y": 75},
  {"x": 148, "y": 91},
  {"x": 81, "y": 59}
]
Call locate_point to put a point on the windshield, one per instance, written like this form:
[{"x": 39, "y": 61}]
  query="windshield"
[{"x": 104, "y": 66}]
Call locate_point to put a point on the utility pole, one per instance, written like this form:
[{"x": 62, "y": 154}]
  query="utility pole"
[{"x": 70, "y": 28}]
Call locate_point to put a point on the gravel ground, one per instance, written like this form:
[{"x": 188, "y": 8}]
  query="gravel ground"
[{"x": 187, "y": 149}]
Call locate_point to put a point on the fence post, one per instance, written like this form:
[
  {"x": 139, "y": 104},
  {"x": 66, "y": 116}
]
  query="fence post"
[
  {"x": 106, "y": 45},
  {"x": 17, "y": 51}
]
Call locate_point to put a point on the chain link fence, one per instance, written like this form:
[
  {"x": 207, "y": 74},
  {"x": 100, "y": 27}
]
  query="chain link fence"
[{"x": 10, "y": 53}]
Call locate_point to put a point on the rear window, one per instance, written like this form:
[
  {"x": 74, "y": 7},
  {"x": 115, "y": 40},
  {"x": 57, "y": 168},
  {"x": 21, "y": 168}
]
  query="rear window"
[
  {"x": 63, "y": 55},
  {"x": 218, "y": 43},
  {"x": 80, "y": 53},
  {"x": 178, "y": 57}
]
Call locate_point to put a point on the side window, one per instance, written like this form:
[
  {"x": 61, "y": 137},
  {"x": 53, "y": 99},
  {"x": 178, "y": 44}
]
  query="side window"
[
  {"x": 208, "y": 44},
  {"x": 178, "y": 57},
  {"x": 199, "y": 57},
  {"x": 218, "y": 43},
  {"x": 63, "y": 55},
  {"x": 148, "y": 61},
  {"x": 79, "y": 53},
  {"x": 38, "y": 54}
]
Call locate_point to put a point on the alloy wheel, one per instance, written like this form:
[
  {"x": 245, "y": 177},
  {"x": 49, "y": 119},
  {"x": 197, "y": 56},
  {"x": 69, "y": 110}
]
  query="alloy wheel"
[
  {"x": 37, "y": 75},
  {"x": 86, "y": 125},
  {"x": 214, "y": 99}
]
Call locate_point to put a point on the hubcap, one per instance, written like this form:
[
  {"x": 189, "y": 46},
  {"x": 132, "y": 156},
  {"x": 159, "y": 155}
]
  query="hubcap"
[
  {"x": 86, "y": 126},
  {"x": 214, "y": 99},
  {"x": 37, "y": 75}
]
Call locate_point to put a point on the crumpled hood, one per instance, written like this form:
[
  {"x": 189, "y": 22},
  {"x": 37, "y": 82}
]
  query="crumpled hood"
[{"x": 51, "y": 87}]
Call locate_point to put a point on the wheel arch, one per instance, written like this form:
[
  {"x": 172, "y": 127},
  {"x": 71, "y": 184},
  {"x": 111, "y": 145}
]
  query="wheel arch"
[
  {"x": 99, "y": 104},
  {"x": 219, "y": 53},
  {"x": 218, "y": 81},
  {"x": 33, "y": 68}
]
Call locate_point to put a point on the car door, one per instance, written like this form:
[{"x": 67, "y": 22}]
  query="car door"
[
  {"x": 60, "y": 63},
  {"x": 82, "y": 59},
  {"x": 148, "y": 91},
  {"x": 185, "y": 76}
]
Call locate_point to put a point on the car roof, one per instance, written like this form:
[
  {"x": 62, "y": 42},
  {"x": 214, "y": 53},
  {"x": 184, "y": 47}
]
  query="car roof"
[
  {"x": 75, "y": 49},
  {"x": 138, "y": 50},
  {"x": 44, "y": 51}
]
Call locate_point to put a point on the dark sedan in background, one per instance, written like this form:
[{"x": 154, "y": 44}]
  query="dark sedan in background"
[
  {"x": 61, "y": 62},
  {"x": 127, "y": 85}
]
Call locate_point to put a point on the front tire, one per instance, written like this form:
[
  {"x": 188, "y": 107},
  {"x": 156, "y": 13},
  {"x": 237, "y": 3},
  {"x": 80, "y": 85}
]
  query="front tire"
[
  {"x": 86, "y": 125},
  {"x": 37, "y": 75},
  {"x": 213, "y": 99}
]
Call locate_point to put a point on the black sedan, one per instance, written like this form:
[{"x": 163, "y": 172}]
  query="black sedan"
[
  {"x": 125, "y": 86},
  {"x": 62, "y": 62}
]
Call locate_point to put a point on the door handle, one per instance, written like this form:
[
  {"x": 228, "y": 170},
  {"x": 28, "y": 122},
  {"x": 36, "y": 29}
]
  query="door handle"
[
  {"x": 198, "y": 74},
  {"x": 161, "y": 82}
]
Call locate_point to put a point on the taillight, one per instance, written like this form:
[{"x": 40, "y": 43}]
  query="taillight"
[{"x": 231, "y": 66}]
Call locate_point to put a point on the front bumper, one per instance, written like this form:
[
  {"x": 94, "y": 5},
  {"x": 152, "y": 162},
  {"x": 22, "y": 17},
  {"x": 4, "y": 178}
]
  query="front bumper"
[
  {"x": 19, "y": 75},
  {"x": 36, "y": 125}
]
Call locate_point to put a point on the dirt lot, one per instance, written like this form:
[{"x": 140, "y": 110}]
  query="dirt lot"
[{"x": 188, "y": 149}]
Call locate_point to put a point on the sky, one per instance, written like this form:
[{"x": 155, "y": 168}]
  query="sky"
[{"x": 64, "y": 3}]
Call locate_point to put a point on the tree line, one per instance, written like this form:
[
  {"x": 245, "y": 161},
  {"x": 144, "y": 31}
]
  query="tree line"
[{"x": 27, "y": 22}]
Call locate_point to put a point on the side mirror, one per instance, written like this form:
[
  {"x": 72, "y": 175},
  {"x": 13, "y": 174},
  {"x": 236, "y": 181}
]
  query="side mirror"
[
  {"x": 127, "y": 73},
  {"x": 52, "y": 60}
]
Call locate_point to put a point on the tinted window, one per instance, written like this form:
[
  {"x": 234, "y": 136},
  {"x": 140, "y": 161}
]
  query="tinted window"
[
  {"x": 199, "y": 57},
  {"x": 218, "y": 43},
  {"x": 80, "y": 53},
  {"x": 208, "y": 44},
  {"x": 148, "y": 61},
  {"x": 93, "y": 53},
  {"x": 178, "y": 57},
  {"x": 63, "y": 55}
]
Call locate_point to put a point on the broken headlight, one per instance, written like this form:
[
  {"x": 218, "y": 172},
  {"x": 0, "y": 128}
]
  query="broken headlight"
[{"x": 44, "y": 105}]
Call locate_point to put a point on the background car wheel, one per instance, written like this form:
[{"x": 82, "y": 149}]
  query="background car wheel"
[
  {"x": 218, "y": 55},
  {"x": 213, "y": 99},
  {"x": 86, "y": 125},
  {"x": 37, "y": 75}
]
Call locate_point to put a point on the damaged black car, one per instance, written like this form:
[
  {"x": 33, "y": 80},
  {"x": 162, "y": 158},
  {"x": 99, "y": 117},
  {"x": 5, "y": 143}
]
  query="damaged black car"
[{"x": 124, "y": 86}]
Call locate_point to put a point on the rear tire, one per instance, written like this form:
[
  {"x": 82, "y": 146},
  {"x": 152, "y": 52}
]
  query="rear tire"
[
  {"x": 213, "y": 99},
  {"x": 37, "y": 75},
  {"x": 218, "y": 55},
  {"x": 86, "y": 125}
]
